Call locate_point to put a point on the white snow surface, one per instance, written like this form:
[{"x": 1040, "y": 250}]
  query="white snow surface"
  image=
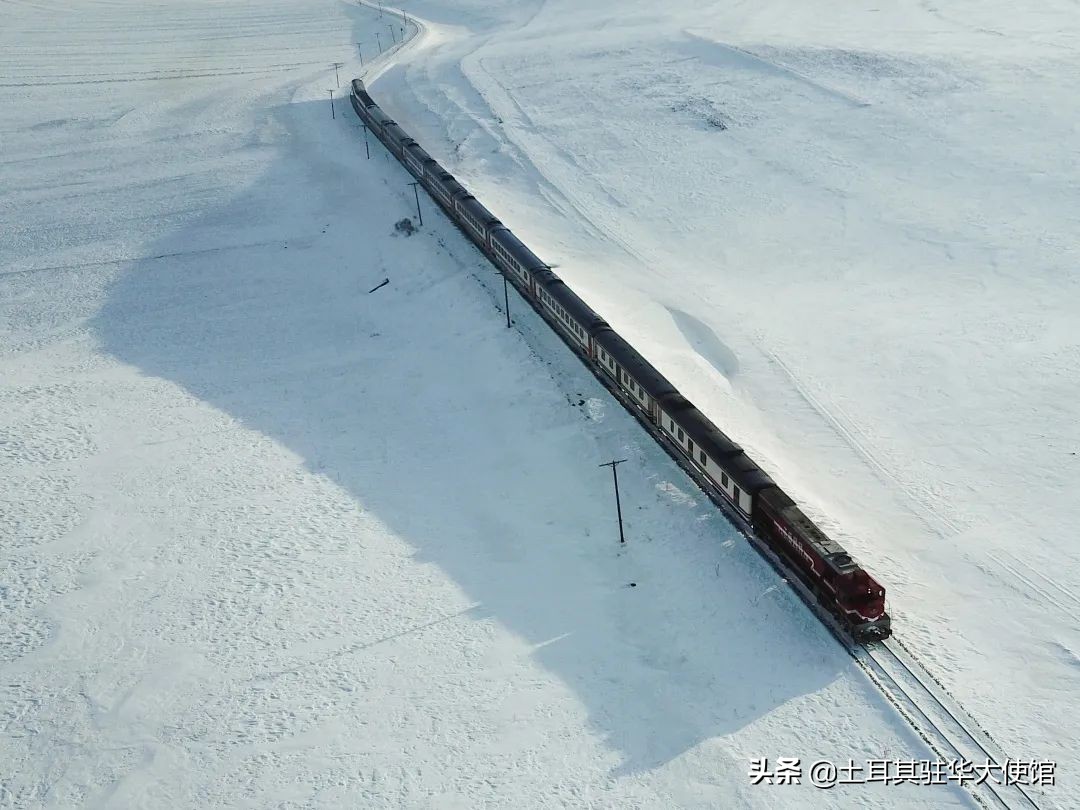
[
  {"x": 268, "y": 540},
  {"x": 849, "y": 233}
]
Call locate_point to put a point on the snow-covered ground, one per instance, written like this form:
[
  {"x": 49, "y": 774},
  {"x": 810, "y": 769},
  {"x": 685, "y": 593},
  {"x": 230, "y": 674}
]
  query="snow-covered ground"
[
  {"x": 849, "y": 232},
  {"x": 268, "y": 540}
]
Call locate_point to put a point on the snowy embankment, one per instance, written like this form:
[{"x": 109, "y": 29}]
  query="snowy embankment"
[
  {"x": 269, "y": 539},
  {"x": 849, "y": 234}
]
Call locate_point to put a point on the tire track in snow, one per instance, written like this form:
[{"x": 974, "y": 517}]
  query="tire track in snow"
[
  {"x": 725, "y": 56},
  {"x": 855, "y": 438},
  {"x": 920, "y": 503},
  {"x": 160, "y": 78},
  {"x": 1048, "y": 580}
]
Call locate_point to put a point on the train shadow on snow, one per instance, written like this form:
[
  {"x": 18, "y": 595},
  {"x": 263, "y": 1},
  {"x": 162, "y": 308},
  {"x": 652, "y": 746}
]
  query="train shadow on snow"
[{"x": 283, "y": 336}]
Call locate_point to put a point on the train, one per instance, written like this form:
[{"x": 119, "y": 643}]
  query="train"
[{"x": 831, "y": 576}]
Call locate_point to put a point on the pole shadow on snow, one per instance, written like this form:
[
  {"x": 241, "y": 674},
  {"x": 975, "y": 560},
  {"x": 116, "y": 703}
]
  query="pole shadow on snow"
[{"x": 380, "y": 393}]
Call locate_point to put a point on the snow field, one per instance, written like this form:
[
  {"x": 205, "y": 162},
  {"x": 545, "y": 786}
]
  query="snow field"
[
  {"x": 269, "y": 540},
  {"x": 846, "y": 233}
]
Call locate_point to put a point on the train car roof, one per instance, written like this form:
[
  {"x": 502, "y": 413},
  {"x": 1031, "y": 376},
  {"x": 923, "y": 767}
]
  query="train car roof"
[
  {"x": 378, "y": 114},
  {"x": 516, "y": 248},
  {"x": 716, "y": 444},
  {"x": 438, "y": 173},
  {"x": 544, "y": 275},
  {"x": 475, "y": 207},
  {"x": 394, "y": 130},
  {"x": 727, "y": 454},
  {"x": 831, "y": 552},
  {"x": 747, "y": 474},
  {"x": 674, "y": 402},
  {"x": 440, "y": 170},
  {"x": 654, "y": 383},
  {"x": 447, "y": 181},
  {"x": 417, "y": 151},
  {"x": 706, "y": 435},
  {"x": 568, "y": 299}
]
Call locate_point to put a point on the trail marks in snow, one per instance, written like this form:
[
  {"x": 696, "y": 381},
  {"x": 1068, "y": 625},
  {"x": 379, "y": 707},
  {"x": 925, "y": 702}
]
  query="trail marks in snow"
[{"x": 726, "y": 57}]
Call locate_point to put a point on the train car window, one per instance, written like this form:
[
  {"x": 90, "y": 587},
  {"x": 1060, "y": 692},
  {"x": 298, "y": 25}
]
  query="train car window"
[
  {"x": 723, "y": 479},
  {"x": 690, "y": 447},
  {"x": 703, "y": 459},
  {"x": 735, "y": 494},
  {"x": 680, "y": 434},
  {"x": 671, "y": 426}
]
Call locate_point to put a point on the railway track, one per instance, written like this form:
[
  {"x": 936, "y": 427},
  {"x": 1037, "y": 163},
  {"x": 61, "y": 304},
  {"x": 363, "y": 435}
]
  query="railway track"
[{"x": 944, "y": 725}]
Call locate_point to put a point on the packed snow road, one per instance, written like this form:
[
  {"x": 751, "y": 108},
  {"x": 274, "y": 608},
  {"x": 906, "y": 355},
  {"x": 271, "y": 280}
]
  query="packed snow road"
[{"x": 269, "y": 540}]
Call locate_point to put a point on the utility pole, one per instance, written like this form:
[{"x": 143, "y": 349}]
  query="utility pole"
[
  {"x": 379, "y": 41},
  {"x": 393, "y": 37},
  {"x": 416, "y": 192},
  {"x": 618, "y": 506},
  {"x": 506, "y": 299},
  {"x": 359, "y": 51},
  {"x": 337, "y": 78},
  {"x": 367, "y": 149},
  {"x": 333, "y": 113}
]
